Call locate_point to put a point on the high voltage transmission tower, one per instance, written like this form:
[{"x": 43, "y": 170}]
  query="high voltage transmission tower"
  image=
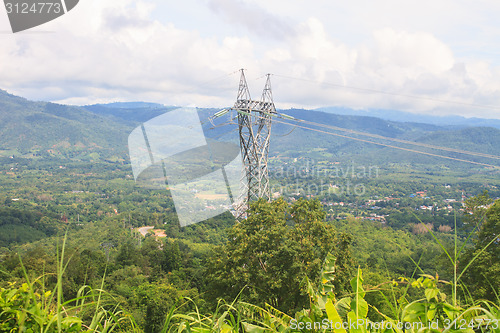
[{"x": 254, "y": 123}]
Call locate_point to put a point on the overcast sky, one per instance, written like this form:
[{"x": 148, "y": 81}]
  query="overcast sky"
[{"x": 426, "y": 56}]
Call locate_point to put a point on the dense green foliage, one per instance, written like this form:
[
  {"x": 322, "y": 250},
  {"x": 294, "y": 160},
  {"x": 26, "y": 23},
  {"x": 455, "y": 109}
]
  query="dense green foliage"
[
  {"x": 270, "y": 253},
  {"x": 483, "y": 277},
  {"x": 40, "y": 129},
  {"x": 276, "y": 256}
]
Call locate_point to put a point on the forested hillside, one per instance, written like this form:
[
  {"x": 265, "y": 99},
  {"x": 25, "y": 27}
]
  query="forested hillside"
[
  {"x": 355, "y": 232},
  {"x": 48, "y": 129}
]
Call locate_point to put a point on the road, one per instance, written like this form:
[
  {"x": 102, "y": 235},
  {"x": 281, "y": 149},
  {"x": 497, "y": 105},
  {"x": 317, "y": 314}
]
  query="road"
[{"x": 144, "y": 230}]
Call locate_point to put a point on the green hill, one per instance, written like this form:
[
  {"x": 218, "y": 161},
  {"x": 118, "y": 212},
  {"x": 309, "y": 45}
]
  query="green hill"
[{"x": 48, "y": 129}]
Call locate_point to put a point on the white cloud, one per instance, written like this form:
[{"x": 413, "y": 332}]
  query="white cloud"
[
  {"x": 99, "y": 58},
  {"x": 253, "y": 17},
  {"x": 114, "y": 50},
  {"x": 413, "y": 51}
]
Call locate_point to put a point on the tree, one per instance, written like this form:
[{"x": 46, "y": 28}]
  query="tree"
[
  {"x": 128, "y": 253},
  {"x": 475, "y": 210},
  {"x": 153, "y": 256},
  {"x": 483, "y": 275},
  {"x": 269, "y": 254},
  {"x": 315, "y": 239},
  {"x": 172, "y": 256},
  {"x": 155, "y": 300}
]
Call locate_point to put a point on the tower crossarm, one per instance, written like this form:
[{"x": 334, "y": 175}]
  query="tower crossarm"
[{"x": 251, "y": 105}]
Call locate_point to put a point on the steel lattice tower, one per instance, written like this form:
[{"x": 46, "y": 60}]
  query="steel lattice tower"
[{"x": 254, "y": 122}]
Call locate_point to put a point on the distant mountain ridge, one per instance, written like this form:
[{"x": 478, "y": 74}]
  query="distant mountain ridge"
[
  {"x": 129, "y": 105},
  {"x": 476, "y": 139},
  {"x": 102, "y": 130},
  {"x": 402, "y": 116},
  {"x": 129, "y": 113},
  {"x": 120, "y": 110}
]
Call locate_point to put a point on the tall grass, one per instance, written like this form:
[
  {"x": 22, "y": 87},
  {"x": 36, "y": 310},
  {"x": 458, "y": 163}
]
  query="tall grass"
[{"x": 29, "y": 307}]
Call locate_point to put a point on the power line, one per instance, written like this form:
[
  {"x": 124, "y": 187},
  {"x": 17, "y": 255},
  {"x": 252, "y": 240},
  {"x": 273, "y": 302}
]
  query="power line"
[
  {"x": 389, "y": 139},
  {"x": 389, "y": 146},
  {"x": 266, "y": 115},
  {"x": 460, "y": 151},
  {"x": 206, "y": 83}
]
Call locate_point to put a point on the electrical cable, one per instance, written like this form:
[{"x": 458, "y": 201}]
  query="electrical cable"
[
  {"x": 375, "y": 136},
  {"x": 383, "y": 144},
  {"x": 425, "y": 145},
  {"x": 389, "y": 146}
]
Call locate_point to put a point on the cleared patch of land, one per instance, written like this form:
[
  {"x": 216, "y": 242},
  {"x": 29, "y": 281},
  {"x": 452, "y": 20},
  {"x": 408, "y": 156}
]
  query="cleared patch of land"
[{"x": 206, "y": 196}]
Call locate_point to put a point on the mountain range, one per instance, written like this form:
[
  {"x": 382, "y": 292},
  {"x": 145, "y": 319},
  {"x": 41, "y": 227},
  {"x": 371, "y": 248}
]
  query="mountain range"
[{"x": 31, "y": 128}]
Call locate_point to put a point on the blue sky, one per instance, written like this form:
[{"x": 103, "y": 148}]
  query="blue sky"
[{"x": 333, "y": 53}]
